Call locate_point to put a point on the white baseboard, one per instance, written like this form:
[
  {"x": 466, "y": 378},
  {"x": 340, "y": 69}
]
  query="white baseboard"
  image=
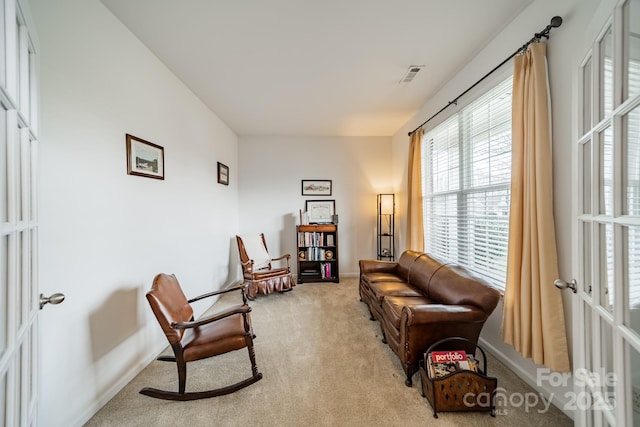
[
  {"x": 116, "y": 387},
  {"x": 560, "y": 401},
  {"x": 350, "y": 275}
]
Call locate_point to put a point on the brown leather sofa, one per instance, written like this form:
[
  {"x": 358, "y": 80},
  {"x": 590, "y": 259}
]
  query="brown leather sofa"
[{"x": 420, "y": 300}]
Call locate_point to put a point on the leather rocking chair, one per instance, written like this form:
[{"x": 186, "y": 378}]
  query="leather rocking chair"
[
  {"x": 260, "y": 276},
  {"x": 193, "y": 340}
]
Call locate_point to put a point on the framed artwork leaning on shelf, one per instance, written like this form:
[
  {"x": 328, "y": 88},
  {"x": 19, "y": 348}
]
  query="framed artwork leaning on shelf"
[{"x": 320, "y": 211}]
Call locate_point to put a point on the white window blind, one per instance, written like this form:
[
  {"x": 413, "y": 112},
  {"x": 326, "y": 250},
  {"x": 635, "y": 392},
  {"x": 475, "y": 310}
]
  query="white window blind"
[{"x": 466, "y": 164}]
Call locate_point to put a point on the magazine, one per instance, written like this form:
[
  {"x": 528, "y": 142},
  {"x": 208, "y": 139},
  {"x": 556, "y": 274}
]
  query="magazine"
[{"x": 442, "y": 363}]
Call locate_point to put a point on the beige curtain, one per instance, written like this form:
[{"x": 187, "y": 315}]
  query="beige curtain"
[
  {"x": 415, "y": 228},
  {"x": 533, "y": 317}
]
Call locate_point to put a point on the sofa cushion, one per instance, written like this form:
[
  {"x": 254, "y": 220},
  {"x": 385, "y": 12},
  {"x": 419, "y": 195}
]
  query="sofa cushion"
[
  {"x": 422, "y": 270},
  {"x": 382, "y": 277},
  {"x": 392, "y": 307},
  {"x": 405, "y": 263},
  {"x": 381, "y": 290},
  {"x": 455, "y": 285}
]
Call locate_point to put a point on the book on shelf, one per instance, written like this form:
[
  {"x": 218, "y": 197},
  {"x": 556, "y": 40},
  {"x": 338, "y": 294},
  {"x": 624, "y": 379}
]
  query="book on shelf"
[
  {"x": 315, "y": 254},
  {"x": 443, "y": 363},
  {"x": 325, "y": 270},
  {"x": 309, "y": 273},
  {"x": 310, "y": 238}
]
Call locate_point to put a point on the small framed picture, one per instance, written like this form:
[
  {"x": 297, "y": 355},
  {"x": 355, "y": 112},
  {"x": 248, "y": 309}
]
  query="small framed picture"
[
  {"x": 144, "y": 158},
  {"x": 316, "y": 187},
  {"x": 223, "y": 174},
  {"x": 320, "y": 211}
]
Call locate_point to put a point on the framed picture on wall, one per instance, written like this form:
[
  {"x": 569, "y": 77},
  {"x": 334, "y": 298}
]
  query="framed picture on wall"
[
  {"x": 320, "y": 211},
  {"x": 144, "y": 158},
  {"x": 316, "y": 187},
  {"x": 223, "y": 174}
]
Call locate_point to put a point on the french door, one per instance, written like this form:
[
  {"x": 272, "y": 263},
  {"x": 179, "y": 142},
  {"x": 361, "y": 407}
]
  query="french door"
[
  {"x": 18, "y": 220},
  {"x": 607, "y": 250}
]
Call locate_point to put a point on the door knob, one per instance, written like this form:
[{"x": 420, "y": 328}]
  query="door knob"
[
  {"x": 561, "y": 284},
  {"x": 56, "y": 298}
]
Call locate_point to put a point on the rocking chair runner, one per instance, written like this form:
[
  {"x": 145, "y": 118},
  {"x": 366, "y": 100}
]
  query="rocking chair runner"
[
  {"x": 193, "y": 340},
  {"x": 259, "y": 275}
]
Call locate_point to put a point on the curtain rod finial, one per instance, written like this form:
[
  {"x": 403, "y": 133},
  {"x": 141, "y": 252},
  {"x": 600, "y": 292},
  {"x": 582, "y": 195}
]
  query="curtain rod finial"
[{"x": 556, "y": 21}]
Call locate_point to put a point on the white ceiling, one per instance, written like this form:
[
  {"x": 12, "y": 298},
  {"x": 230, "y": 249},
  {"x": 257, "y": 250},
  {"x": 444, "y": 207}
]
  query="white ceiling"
[{"x": 300, "y": 67}]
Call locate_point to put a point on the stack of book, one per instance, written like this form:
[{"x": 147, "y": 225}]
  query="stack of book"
[
  {"x": 325, "y": 270},
  {"x": 315, "y": 254},
  {"x": 310, "y": 238},
  {"x": 442, "y": 363}
]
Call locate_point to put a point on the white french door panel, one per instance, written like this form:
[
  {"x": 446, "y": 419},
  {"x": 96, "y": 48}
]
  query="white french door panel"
[
  {"x": 606, "y": 252},
  {"x": 18, "y": 221}
]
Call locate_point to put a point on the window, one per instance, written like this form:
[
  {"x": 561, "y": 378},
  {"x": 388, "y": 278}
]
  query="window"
[{"x": 466, "y": 169}]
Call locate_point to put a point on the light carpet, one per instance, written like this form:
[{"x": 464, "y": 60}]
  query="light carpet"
[{"x": 323, "y": 364}]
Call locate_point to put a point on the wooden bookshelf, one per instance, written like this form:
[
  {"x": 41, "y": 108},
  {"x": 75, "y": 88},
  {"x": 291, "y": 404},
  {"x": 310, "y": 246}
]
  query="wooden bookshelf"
[{"x": 317, "y": 253}]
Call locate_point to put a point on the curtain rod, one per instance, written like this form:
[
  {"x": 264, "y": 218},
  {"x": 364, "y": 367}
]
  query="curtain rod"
[{"x": 556, "y": 21}]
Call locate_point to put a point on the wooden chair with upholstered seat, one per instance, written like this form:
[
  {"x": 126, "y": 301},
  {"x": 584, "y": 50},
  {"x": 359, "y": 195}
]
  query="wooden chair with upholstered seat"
[
  {"x": 193, "y": 340},
  {"x": 259, "y": 274}
]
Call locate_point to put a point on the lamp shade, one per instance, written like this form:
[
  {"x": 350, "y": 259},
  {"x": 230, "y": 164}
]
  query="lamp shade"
[{"x": 386, "y": 204}]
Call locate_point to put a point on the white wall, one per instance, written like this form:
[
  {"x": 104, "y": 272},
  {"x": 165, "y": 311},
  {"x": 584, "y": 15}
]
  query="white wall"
[
  {"x": 271, "y": 170},
  {"x": 563, "y": 60},
  {"x": 105, "y": 234}
]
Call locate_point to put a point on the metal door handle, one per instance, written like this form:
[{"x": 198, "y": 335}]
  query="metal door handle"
[
  {"x": 56, "y": 298},
  {"x": 561, "y": 284}
]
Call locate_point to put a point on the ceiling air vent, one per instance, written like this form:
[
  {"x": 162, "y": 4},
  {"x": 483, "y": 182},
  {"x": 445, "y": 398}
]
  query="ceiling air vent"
[{"x": 411, "y": 73}]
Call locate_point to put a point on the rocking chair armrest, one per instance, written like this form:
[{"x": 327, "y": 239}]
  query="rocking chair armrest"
[
  {"x": 238, "y": 286},
  {"x": 238, "y": 309},
  {"x": 247, "y": 263},
  {"x": 247, "y": 267},
  {"x": 287, "y": 256}
]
